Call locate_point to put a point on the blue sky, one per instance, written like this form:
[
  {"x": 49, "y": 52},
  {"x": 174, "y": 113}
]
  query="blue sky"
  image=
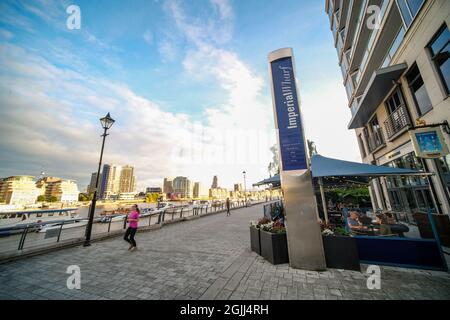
[{"x": 186, "y": 81}]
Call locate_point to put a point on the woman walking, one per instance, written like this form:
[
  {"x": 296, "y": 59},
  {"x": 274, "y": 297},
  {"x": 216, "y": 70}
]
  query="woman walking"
[{"x": 133, "y": 218}]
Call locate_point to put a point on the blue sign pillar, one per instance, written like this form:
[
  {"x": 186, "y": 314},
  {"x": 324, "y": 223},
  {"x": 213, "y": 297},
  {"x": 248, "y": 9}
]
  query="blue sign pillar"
[{"x": 302, "y": 227}]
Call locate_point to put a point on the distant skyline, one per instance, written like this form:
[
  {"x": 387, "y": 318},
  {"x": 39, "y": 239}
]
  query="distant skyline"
[{"x": 186, "y": 82}]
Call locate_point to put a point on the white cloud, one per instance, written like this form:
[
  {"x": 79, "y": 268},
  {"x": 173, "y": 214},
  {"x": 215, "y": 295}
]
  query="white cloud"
[{"x": 148, "y": 37}]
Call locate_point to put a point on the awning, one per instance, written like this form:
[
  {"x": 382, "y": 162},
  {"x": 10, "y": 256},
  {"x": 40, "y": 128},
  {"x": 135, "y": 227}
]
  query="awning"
[
  {"x": 275, "y": 180},
  {"x": 355, "y": 172},
  {"x": 327, "y": 167},
  {"x": 380, "y": 84}
]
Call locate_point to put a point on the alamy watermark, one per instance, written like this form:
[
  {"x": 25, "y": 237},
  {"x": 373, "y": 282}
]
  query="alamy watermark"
[
  {"x": 374, "y": 280},
  {"x": 73, "y": 22},
  {"x": 374, "y": 18},
  {"x": 74, "y": 280}
]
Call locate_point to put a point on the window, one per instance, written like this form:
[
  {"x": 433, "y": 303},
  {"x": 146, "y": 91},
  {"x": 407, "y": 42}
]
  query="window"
[
  {"x": 409, "y": 9},
  {"x": 439, "y": 48},
  {"x": 421, "y": 98},
  {"x": 395, "y": 45}
]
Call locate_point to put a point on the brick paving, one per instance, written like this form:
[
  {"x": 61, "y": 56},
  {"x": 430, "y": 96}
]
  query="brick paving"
[{"x": 206, "y": 258}]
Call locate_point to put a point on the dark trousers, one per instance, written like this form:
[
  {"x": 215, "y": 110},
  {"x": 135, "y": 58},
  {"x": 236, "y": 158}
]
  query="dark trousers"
[
  {"x": 129, "y": 236},
  {"x": 228, "y": 211}
]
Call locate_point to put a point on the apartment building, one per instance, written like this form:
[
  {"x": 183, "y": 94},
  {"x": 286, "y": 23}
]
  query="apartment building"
[
  {"x": 183, "y": 187},
  {"x": 62, "y": 190},
  {"x": 18, "y": 190},
  {"x": 394, "y": 57}
]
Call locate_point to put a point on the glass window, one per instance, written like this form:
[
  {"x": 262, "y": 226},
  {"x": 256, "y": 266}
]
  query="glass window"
[
  {"x": 421, "y": 98},
  {"x": 409, "y": 9},
  {"x": 394, "y": 47},
  {"x": 440, "y": 52}
]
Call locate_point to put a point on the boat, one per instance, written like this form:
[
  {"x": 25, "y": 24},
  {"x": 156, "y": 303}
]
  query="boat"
[{"x": 13, "y": 219}]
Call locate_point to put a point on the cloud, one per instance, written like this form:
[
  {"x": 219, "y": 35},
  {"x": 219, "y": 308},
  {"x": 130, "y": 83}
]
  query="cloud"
[
  {"x": 51, "y": 104},
  {"x": 6, "y": 35},
  {"x": 148, "y": 37},
  {"x": 224, "y": 7},
  {"x": 168, "y": 50}
]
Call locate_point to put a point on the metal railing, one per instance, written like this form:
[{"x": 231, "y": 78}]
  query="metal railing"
[
  {"x": 397, "y": 121},
  {"x": 35, "y": 237},
  {"x": 375, "y": 140}
]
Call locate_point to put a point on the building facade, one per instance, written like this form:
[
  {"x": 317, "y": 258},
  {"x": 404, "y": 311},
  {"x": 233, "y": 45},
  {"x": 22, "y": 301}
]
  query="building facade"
[
  {"x": 91, "y": 186},
  {"x": 127, "y": 182},
  {"x": 110, "y": 187},
  {"x": 394, "y": 57},
  {"x": 18, "y": 190},
  {"x": 182, "y": 187},
  {"x": 153, "y": 190},
  {"x": 215, "y": 183},
  {"x": 62, "y": 191},
  {"x": 168, "y": 186}
]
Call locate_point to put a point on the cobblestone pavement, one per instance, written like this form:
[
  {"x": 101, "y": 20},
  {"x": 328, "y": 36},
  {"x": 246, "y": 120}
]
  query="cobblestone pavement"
[{"x": 207, "y": 258}]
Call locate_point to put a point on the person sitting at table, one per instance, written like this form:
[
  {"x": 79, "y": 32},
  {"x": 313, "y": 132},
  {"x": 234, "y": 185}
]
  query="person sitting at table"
[
  {"x": 354, "y": 223},
  {"x": 382, "y": 220}
]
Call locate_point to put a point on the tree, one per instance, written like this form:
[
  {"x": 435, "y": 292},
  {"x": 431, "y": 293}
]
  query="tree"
[
  {"x": 274, "y": 165},
  {"x": 85, "y": 197},
  {"x": 152, "y": 197},
  {"x": 41, "y": 198},
  {"x": 52, "y": 199},
  {"x": 312, "y": 148}
]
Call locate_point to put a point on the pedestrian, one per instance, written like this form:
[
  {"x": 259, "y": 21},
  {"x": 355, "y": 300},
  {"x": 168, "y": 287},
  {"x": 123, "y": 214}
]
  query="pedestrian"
[
  {"x": 133, "y": 219},
  {"x": 228, "y": 207}
]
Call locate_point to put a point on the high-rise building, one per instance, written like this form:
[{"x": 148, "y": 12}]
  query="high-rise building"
[
  {"x": 18, "y": 190},
  {"x": 215, "y": 183},
  {"x": 91, "y": 186},
  {"x": 127, "y": 180},
  {"x": 182, "y": 187},
  {"x": 200, "y": 191},
  {"x": 394, "y": 57},
  {"x": 110, "y": 181},
  {"x": 168, "y": 185}
]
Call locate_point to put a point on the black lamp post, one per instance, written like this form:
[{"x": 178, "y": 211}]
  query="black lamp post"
[
  {"x": 107, "y": 123},
  {"x": 245, "y": 187}
]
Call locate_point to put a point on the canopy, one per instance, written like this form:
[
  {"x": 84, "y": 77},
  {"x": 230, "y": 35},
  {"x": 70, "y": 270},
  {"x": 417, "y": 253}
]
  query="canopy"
[
  {"x": 327, "y": 167},
  {"x": 344, "y": 173}
]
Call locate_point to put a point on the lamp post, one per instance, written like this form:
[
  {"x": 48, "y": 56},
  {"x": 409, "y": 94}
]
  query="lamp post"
[
  {"x": 245, "y": 187},
  {"x": 107, "y": 123}
]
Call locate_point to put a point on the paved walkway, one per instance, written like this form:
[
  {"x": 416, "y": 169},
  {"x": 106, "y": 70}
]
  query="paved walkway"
[{"x": 207, "y": 258}]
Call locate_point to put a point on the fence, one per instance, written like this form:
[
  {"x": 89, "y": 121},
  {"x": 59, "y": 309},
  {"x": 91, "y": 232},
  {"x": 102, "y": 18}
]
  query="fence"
[{"x": 46, "y": 236}]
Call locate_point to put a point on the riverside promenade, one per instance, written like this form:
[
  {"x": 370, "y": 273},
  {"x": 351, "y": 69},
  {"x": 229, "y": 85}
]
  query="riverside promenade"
[{"x": 205, "y": 258}]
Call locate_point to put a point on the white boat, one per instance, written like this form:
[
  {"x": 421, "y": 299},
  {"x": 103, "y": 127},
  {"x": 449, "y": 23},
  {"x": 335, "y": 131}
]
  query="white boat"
[{"x": 14, "y": 219}]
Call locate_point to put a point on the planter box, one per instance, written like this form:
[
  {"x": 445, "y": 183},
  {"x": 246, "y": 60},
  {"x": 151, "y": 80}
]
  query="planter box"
[
  {"x": 341, "y": 252},
  {"x": 255, "y": 242},
  {"x": 274, "y": 247}
]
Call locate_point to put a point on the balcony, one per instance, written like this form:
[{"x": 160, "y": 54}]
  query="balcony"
[
  {"x": 397, "y": 122},
  {"x": 376, "y": 140}
]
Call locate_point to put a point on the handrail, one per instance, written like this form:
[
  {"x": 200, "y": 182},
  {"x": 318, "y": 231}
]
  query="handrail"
[{"x": 24, "y": 231}]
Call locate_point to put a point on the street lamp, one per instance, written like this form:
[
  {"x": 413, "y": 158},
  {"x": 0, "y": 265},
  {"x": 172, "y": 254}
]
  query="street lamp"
[
  {"x": 107, "y": 123},
  {"x": 245, "y": 187}
]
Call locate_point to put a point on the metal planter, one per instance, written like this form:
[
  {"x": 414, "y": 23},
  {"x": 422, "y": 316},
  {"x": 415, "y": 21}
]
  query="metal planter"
[
  {"x": 255, "y": 242},
  {"x": 341, "y": 252},
  {"x": 274, "y": 247}
]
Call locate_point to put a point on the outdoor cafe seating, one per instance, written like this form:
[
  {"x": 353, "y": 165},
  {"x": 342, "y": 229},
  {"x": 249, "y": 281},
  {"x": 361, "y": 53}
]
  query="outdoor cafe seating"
[{"x": 380, "y": 237}]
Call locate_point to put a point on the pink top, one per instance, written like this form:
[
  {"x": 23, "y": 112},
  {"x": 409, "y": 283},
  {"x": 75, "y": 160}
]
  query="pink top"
[{"x": 133, "y": 215}]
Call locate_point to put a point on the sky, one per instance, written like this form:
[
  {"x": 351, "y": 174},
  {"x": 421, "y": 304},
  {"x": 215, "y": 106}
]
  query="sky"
[{"x": 186, "y": 81}]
